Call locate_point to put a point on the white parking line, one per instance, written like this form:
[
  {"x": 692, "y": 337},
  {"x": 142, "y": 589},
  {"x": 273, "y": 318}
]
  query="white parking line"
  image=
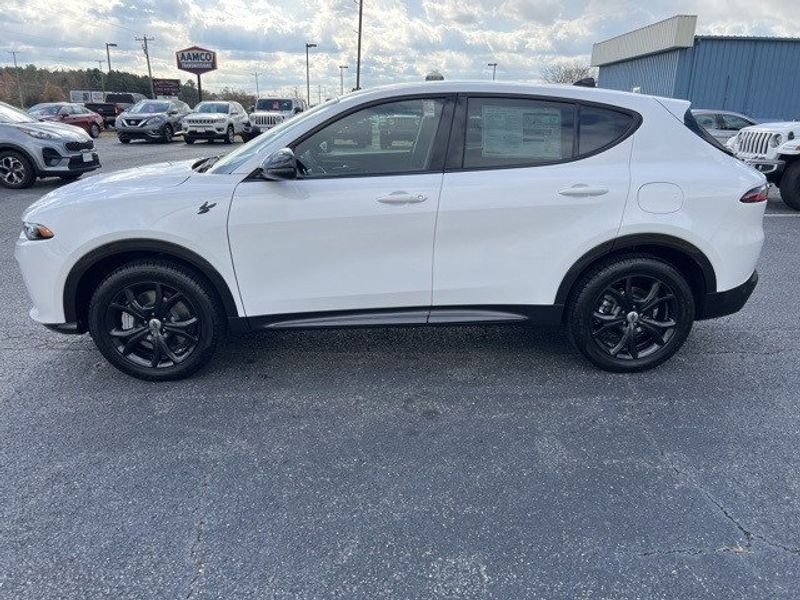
[{"x": 783, "y": 215}]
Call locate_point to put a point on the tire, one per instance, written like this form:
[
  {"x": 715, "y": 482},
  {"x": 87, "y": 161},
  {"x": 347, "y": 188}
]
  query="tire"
[
  {"x": 95, "y": 131},
  {"x": 188, "y": 139},
  {"x": 124, "y": 140},
  {"x": 790, "y": 185},
  {"x": 167, "y": 133},
  {"x": 150, "y": 340},
  {"x": 16, "y": 170},
  {"x": 70, "y": 177},
  {"x": 230, "y": 135},
  {"x": 630, "y": 332}
]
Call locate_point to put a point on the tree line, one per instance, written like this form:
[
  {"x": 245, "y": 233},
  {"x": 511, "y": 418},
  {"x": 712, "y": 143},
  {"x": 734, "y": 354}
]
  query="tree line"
[{"x": 43, "y": 85}]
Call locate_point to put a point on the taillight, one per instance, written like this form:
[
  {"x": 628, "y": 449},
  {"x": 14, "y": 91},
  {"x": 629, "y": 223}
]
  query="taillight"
[{"x": 757, "y": 194}]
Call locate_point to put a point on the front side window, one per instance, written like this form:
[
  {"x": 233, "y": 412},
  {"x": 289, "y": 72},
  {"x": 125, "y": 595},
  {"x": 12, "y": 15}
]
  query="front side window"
[
  {"x": 507, "y": 132},
  {"x": 600, "y": 127},
  {"x": 734, "y": 122},
  {"x": 391, "y": 138}
]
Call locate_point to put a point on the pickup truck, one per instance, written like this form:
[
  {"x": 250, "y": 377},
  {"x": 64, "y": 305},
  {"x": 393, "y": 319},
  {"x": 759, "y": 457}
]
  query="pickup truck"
[{"x": 115, "y": 104}]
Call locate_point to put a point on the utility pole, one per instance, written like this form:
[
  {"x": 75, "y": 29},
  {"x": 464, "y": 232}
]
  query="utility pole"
[
  {"x": 358, "y": 61},
  {"x": 108, "y": 54},
  {"x": 13, "y": 53},
  {"x": 494, "y": 70},
  {"x": 341, "y": 77},
  {"x": 319, "y": 93},
  {"x": 144, "y": 39},
  {"x": 256, "y": 76},
  {"x": 102, "y": 78},
  {"x": 308, "y": 79}
]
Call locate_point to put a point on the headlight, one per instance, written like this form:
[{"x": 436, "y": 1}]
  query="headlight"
[
  {"x": 776, "y": 140},
  {"x": 34, "y": 231},
  {"x": 38, "y": 134}
]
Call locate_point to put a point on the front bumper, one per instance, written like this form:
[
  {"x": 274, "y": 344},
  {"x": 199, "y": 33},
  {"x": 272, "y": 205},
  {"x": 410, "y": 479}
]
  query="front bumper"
[
  {"x": 206, "y": 133},
  {"x": 56, "y": 162},
  {"x": 140, "y": 133},
  {"x": 719, "y": 304},
  {"x": 773, "y": 169}
]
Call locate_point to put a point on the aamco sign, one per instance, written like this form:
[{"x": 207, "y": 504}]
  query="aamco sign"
[{"x": 196, "y": 60}]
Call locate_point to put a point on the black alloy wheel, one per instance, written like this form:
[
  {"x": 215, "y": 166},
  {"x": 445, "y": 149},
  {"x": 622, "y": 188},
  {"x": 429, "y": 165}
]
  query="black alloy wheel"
[
  {"x": 167, "y": 133},
  {"x": 156, "y": 320},
  {"x": 631, "y": 314}
]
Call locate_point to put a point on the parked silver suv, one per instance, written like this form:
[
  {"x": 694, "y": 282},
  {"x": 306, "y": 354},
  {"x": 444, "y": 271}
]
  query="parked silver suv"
[
  {"x": 155, "y": 120},
  {"x": 31, "y": 149}
]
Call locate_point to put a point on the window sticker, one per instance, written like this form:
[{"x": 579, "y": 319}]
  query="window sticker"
[
  {"x": 512, "y": 132},
  {"x": 428, "y": 108}
]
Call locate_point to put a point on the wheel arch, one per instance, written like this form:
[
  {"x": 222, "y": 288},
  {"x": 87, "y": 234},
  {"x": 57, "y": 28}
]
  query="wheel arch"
[
  {"x": 684, "y": 256},
  {"x": 90, "y": 269},
  {"x": 21, "y": 150}
]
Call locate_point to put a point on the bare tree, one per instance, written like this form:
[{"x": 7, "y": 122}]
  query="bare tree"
[{"x": 567, "y": 72}]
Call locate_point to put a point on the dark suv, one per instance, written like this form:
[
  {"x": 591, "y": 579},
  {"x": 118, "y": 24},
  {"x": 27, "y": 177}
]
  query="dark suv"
[{"x": 154, "y": 120}]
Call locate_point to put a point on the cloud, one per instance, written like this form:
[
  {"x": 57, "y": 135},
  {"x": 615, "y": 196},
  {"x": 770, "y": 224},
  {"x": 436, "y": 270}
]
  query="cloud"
[{"x": 403, "y": 39}]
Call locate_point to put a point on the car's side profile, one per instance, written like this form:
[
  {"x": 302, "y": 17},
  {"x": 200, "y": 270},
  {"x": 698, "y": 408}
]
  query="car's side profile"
[{"x": 607, "y": 212}]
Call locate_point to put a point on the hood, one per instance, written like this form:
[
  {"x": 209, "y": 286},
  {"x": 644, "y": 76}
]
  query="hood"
[
  {"x": 105, "y": 188},
  {"x": 65, "y": 133},
  {"x": 776, "y": 127},
  {"x": 269, "y": 113},
  {"x": 129, "y": 115}
]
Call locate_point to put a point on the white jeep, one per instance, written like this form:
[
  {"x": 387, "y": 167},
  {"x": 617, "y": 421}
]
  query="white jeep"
[
  {"x": 269, "y": 112},
  {"x": 215, "y": 120},
  {"x": 773, "y": 149}
]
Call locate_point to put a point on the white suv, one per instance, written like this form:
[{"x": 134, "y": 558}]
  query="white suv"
[
  {"x": 215, "y": 121},
  {"x": 602, "y": 211},
  {"x": 269, "y": 112}
]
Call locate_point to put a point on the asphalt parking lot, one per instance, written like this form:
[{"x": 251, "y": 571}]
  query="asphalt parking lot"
[{"x": 474, "y": 462}]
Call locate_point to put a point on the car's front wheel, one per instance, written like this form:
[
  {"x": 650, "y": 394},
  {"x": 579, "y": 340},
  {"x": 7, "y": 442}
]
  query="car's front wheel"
[
  {"x": 95, "y": 130},
  {"x": 230, "y": 135},
  {"x": 167, "y": 133},
  {"x": 630, "y": 314},
  {"x": 16, "y": 170},
  {"x": 156, "y": 320}
]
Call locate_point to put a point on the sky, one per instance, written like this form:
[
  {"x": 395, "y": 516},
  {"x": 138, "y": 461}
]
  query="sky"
[{"x": 403, "y": 40}]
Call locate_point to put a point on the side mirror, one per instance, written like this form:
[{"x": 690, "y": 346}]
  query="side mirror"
[{"x": 279, "y": 165}]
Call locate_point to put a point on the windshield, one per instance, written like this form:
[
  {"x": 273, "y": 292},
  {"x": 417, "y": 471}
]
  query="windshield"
[
  {"x": 47, "y": 110},
  {"x": 9, "y": 114},
  {"x": 253, "y": 147},
  {"x": 212, "y": 107},
  {"x": 149, "y": 107},
  {"x": 274, "y": 104}
]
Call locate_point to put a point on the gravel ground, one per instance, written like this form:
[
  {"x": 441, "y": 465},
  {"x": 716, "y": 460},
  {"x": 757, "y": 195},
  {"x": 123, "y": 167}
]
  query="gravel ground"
[{"x": 471, "y": 462}]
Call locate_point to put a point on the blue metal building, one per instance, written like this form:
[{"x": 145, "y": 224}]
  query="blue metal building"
[{"x": 758, "y": 76}]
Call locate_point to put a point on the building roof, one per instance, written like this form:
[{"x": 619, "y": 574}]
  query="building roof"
[{"x": 675, "y": 32}]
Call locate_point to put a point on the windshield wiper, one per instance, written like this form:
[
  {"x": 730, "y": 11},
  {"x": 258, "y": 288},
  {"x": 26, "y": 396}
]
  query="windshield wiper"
[{"x": 204, "y": 164}]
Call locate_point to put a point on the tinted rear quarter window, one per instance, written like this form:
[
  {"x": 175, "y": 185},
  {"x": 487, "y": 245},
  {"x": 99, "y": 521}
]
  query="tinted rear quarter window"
[{"x": 600, "y": 127}]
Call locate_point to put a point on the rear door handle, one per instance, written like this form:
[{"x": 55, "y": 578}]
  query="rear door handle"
[
  {"x": 582, "y": 190},
  {"x": 402, "y": 198}
]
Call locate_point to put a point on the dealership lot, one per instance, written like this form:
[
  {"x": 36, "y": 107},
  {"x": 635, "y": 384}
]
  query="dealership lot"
[{"x": 475, "y": 462}]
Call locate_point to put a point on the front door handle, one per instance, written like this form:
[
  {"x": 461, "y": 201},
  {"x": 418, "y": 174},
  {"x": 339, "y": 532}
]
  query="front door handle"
[
  {"x": 582, "y": 190},
  {"x": 402, "y": 198}
]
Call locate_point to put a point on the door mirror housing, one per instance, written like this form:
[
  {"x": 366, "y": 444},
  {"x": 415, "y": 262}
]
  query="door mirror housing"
[{"x": 279, "y": 166}]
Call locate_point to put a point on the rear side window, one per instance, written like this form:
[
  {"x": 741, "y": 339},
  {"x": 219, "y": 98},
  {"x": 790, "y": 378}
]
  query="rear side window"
[
  {"x": 600, "y": 127},
  {"x": 506, "y": 132}
]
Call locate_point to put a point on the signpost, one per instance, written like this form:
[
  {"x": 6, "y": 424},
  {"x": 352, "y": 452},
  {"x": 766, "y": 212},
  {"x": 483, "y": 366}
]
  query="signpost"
[
  {"x": 169, "y": 88},
  {"x": 198, "y": 61}
]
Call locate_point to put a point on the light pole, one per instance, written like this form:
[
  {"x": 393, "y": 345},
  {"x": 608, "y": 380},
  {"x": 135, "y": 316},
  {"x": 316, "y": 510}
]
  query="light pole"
[
  {"x": 308, "y": 79},
  {"x": 360, "y": 28},
  {"x": 256, "y": 76},
  {"x": 108, "y": 54},
  {"x": 341, "y": 77},
  {"x": 494, "y": 70}
]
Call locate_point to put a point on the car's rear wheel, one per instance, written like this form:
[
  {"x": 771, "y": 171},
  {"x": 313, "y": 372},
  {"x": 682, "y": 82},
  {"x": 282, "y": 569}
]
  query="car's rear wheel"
[
  {"x": 230, "y": 135},
  {"x": 188, "y": 139},
  {"x": 630, "y": 314},
  {"x": 790, "y": 185},
  {"x": 95, "y": 130},
  {"x": 124, "y": 140},
  {"x": 156, "y": 320},
  {"x": 16, "y": 170}
]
